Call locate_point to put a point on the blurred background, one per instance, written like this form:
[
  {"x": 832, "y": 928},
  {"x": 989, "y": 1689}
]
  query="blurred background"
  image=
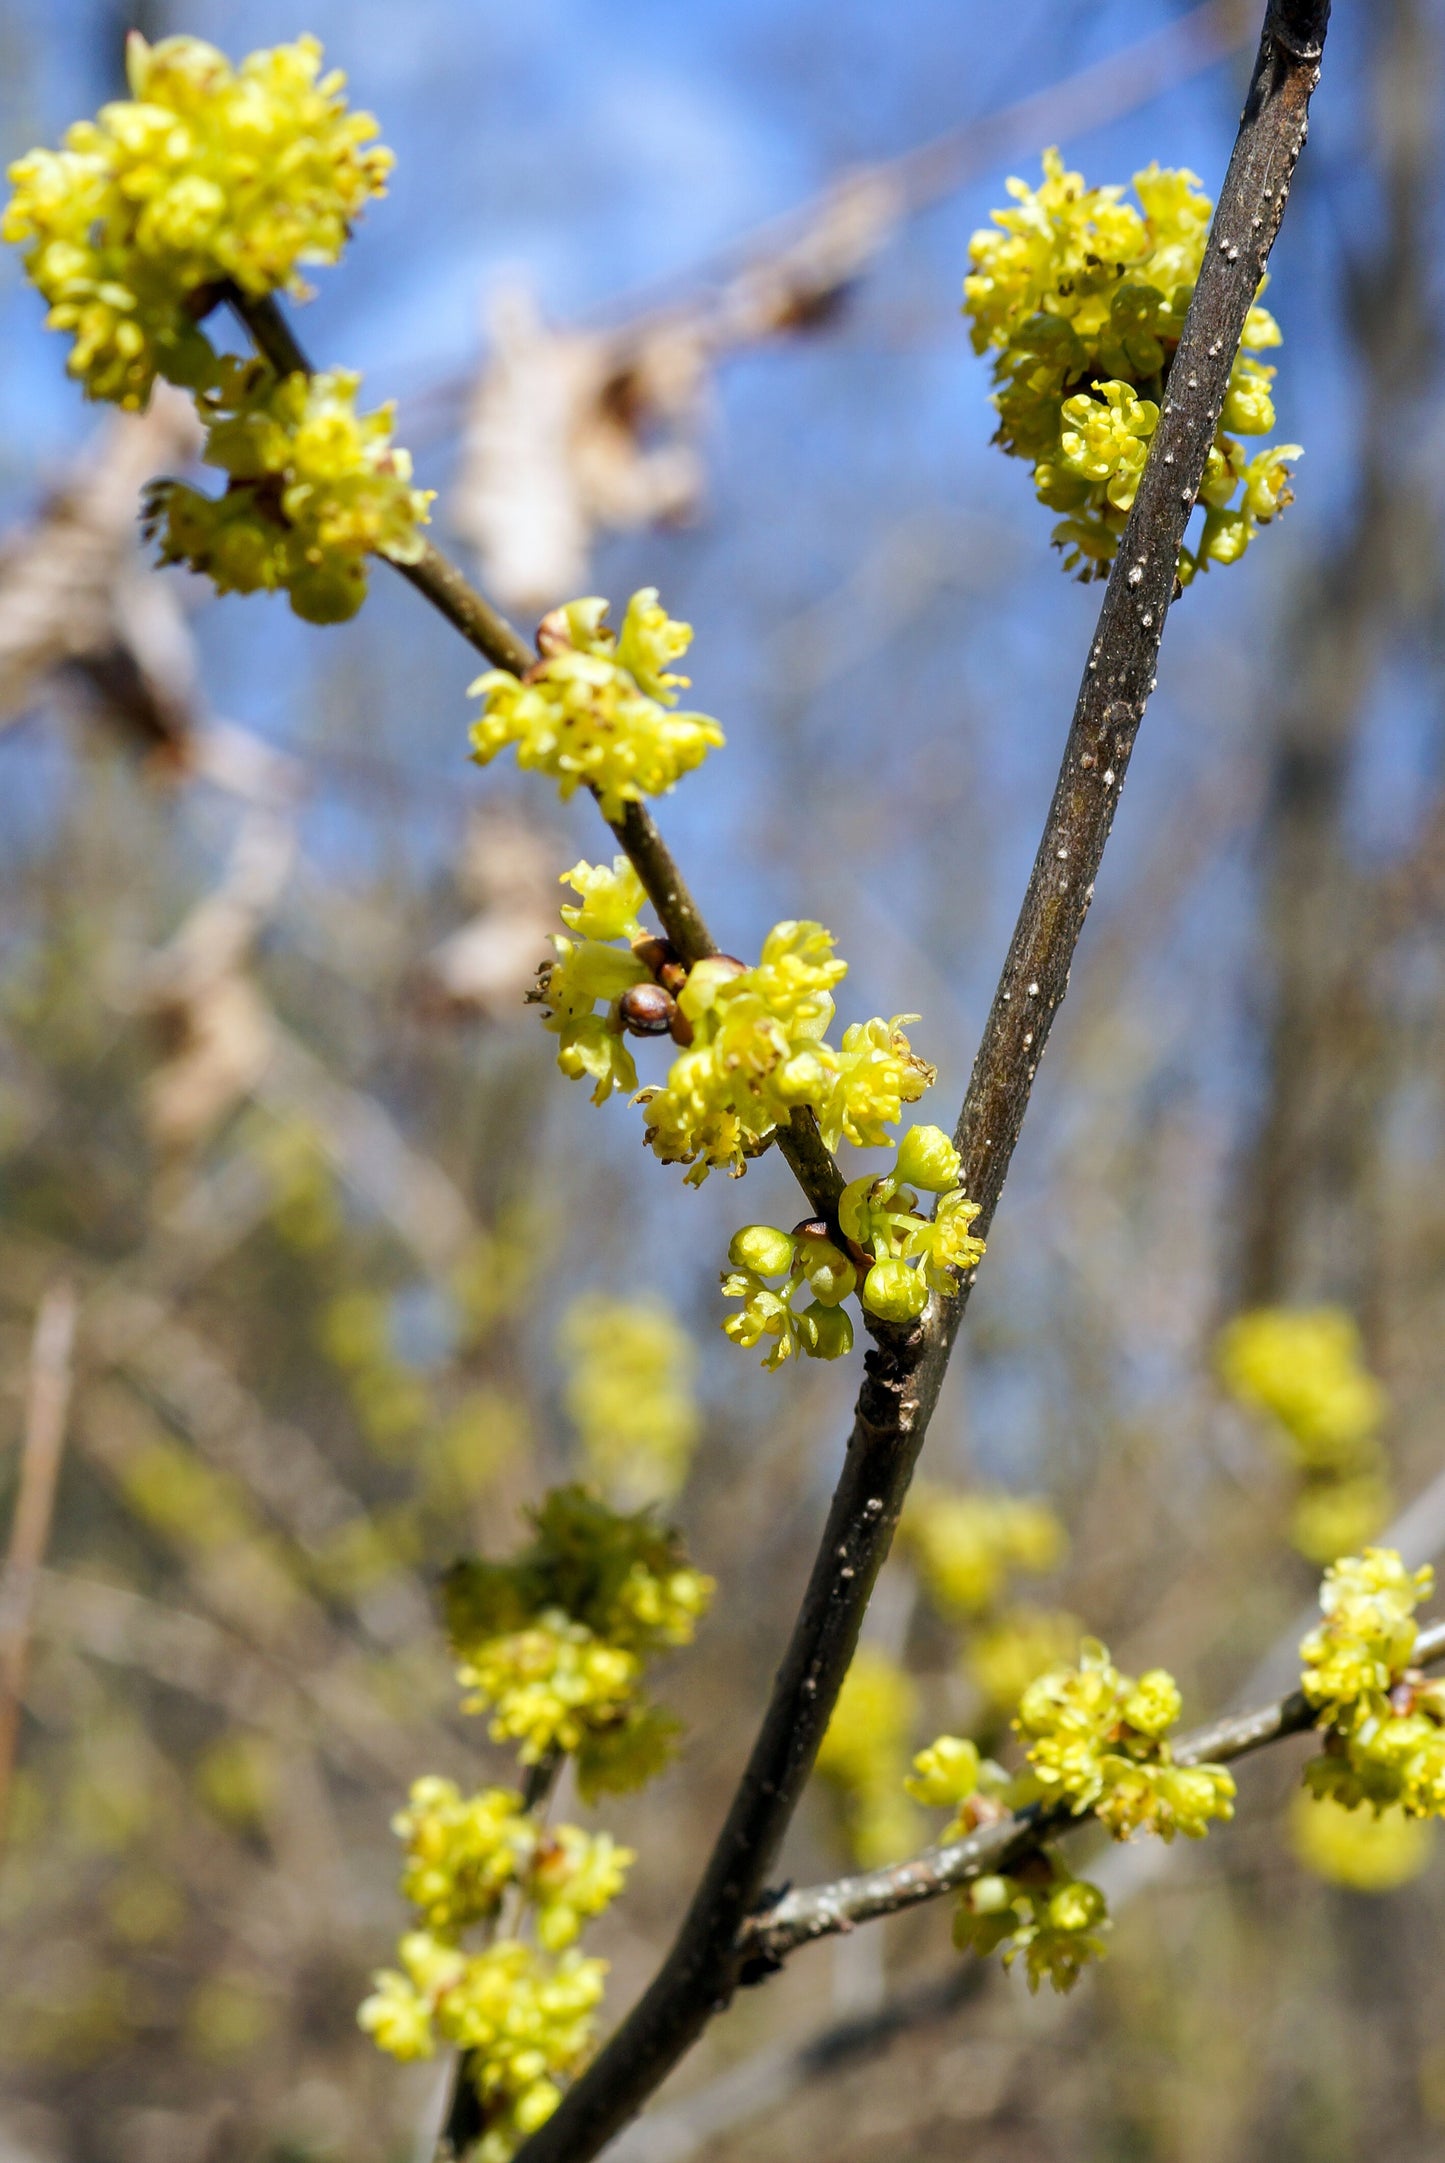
[{"x": 300, "y": 1226}]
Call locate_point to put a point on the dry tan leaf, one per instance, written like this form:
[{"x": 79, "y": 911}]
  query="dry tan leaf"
[
  {"x": 76, "y": 596},
  {"x": 572, "y": 431},
  {"x": 487, "y": 966}
]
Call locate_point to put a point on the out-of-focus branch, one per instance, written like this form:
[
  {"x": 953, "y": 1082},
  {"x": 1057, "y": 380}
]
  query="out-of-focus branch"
[
  {"x": 46, "y": 1410},
  {"x": 904, "y": 1374},
  {"x": 74, "y": 599},
  {"x": 1307, "y": 1185}
]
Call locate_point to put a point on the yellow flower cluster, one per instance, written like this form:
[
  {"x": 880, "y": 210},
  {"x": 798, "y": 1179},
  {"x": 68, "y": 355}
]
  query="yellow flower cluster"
[
  {"x": 881, "y": 1215},
  {"x": 752, "y": 1042},
  {"x": 1096, "y": 1741},
  {"x": 803, "y": 1259},
  {"x": 594, "y": 969},
  {"x": 465, "y": 1852},
  {"x": 1304, "y": 1369},
  {"x": 599, "y": 707},
  {"x": 1055, "y": 1921},
  {"x": 524, "y": 2017},
  {"x": 864, "y": 1754},
  {"x": 1082, "y": 299},
  {"x": 965, "y": 1546},
  {"x": 1386, "y": 1722},
  {"x": 212, "y": 179},
  {"x": 206, "y": 174},
  {"x": 881, "y": 1219},
  {"x": 629, "y": 1393},
  {"x": 555, "y": 1642},
  {"x": 756, "y": 1049},
  {"x": 312, "y": 489}
]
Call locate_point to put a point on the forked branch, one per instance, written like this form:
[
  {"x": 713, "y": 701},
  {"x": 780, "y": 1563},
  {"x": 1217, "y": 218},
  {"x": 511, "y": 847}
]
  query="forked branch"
[
  {"x": 904, "y": 1373},
  {"x": 821, "y": 1911},
  {"x": 452, "y": 594}
]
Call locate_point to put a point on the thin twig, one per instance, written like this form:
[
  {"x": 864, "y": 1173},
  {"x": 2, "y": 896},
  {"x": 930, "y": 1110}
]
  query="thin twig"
[
  {"x": 903, "y": 1375},
  {"x": 47, "y": 1406},
  {"x": 450, "y": 592},
  {"x": 819, "y": 1911},
  {"x": 433, "y": 574}
]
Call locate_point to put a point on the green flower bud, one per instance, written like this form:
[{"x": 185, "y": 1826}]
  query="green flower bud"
[
  {"x": 894, "y": 1292},
  {"x": 830, "y": 1274},
  {"x": 991, "y": 1895},
  {"x": 763, "y": 1249},
  {"x": 825, "y": 1332},
  {"x": 927, "y": 1159},
  {"x": 1077, "y": 1906}
]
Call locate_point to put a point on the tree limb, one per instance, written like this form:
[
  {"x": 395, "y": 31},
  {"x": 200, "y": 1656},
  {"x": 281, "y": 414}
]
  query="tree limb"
[
  {"x": 903, "y": 1375},
  {"x": 821, "y": 1911}
]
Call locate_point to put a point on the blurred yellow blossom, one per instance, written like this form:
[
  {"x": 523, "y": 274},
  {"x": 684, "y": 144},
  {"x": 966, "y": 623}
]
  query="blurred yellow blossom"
[
  {"x": 1362, "y": 1850},
  {"x": 864, "y": 1757},
  {"x": 630, "y": 1396}
]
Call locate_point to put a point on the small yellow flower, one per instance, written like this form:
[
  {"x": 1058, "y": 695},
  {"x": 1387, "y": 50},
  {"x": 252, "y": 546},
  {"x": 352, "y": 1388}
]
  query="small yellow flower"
[
  {"x": 599, "y": 709},
  {"x": 1097, "y": 1740},
  {"x": 313, "y": 489}
]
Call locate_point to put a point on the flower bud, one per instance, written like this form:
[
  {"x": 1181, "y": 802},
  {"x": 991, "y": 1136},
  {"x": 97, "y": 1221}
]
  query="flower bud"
[
  {"x": 647, "y": 1010},
  {"x": 990, "y": 1895},
  {"x": 554, "y": 634},
  {"x": 830, "y": 1274},
  {"x": 763, "y": 1249},
  {"x": 894, "y": 1292},
  {"x": 663, "y": 960},
  {"x": 946, "y": 1773},
  {"x": 1077, "y": 1906},
  {"x": 825, "y": 1332},
  {"x": 927, "y": 1159}
]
